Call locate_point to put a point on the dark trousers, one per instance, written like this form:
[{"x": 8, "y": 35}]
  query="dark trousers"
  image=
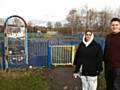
[
  {"x": 112, "y": 77},
  {"x": 117, "y": 78}
]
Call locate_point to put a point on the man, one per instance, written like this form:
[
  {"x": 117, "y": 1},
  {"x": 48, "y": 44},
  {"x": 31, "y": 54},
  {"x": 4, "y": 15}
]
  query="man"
[
  {"x": 112, "y": 56},
  {"x": 88, "y": 61}
]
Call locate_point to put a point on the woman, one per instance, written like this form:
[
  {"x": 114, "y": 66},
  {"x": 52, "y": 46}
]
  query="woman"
[{"x": 88, "y": 61}]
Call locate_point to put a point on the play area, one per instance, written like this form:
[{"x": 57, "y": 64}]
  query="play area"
[{"x": 19, "y": 52}]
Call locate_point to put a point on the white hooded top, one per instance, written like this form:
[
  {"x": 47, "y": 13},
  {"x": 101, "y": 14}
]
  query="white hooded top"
[{"x": 88, "y": 42}]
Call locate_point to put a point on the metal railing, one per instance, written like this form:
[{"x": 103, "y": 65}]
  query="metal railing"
[{"x": 62, "y": 54}]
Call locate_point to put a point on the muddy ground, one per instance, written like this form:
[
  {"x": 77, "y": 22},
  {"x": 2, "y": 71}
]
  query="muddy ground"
[{"x": 61, "y": 78}]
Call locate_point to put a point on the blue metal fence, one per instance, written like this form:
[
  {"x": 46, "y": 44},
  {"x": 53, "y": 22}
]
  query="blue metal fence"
[
  {"x": 2, "y": 62},
  {"x": 39, "y": 51},
  {"x": 101, "y": 41}
]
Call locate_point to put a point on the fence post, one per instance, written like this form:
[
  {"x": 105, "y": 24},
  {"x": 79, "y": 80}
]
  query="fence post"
[
  {"x": 58, "y": 41},
  {"x": 49, "y": 55},
  {"x": 3, "y": 59},
  {"x": 26, "y": 48},
  {"x": 73, "y": 52}
]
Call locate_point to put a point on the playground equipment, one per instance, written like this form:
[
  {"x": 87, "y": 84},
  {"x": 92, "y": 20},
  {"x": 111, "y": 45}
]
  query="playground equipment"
[{"x": 15, "y": 42}]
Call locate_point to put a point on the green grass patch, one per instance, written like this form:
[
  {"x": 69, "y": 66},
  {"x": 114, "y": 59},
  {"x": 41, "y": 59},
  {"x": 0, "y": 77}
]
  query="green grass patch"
[
  {"x": 101, "y": 81},
  {"x": 23, "y": 80}
]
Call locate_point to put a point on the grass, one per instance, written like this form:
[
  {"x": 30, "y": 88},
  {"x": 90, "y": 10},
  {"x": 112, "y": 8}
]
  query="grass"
[
  {"x": 23, "y": 80},
  {"x": 32, "y": 79},
  {"x": 101, "y": 81}
]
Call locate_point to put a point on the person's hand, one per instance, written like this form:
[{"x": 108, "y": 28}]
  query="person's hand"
[
  {"x": 76, "y": 75},
  {"x": 98, "y": 72}
]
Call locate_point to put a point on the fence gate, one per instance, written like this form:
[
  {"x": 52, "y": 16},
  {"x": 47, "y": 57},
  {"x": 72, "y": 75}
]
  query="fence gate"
[{"x": 62, "y": 54}]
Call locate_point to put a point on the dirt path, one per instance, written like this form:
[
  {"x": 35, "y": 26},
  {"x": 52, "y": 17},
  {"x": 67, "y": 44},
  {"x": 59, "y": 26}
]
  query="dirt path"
[{"x": 62, "y": 78}]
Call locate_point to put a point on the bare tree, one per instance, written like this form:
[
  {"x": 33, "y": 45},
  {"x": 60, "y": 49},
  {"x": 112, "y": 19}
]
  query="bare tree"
[
  {"x": 58, "y": 25},
  {"x": 104, "y": 19},
  {"x": 49, "y": 25},
  {"x": 116, "y": 13},
  {"x": 88, "y": 18},
  {"x": 73, "y": 20}
]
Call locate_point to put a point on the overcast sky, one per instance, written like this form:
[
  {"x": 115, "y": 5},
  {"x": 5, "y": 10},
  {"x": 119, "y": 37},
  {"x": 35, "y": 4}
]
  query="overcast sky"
[{"x": 49, "y": 10}]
